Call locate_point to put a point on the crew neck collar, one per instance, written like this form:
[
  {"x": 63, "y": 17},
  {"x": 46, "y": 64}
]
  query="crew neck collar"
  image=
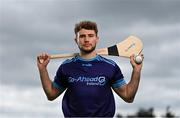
[{"x": 87, "y": 59}]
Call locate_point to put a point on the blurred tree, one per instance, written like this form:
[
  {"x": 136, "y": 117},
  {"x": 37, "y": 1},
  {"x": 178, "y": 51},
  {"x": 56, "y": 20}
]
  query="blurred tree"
[
  {"x": 143, "y": 113},
  {"x": 119, "y": 115},
  {"x": 168, "y": 113},
  {"x": 148, "y": 113}
]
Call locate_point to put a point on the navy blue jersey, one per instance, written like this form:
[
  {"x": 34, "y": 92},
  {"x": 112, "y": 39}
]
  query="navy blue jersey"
[{"x": 88, "y": 83}]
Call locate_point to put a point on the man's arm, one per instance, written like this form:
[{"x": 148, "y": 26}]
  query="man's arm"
[
  {"x": 51, "y": 92},
  {"x": 128, "y": 91}
]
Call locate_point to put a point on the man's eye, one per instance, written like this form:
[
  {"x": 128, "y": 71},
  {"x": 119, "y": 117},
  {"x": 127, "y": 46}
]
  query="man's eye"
[
  {"x": 91, "y": 35},
  {"x": 81, "y": 36}
]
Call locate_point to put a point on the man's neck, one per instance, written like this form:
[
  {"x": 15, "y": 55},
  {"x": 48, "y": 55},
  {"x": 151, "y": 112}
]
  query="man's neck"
[{"x": 88, "y": 55}]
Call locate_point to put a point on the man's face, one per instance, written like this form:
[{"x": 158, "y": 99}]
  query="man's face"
[{"x": 86, "y": 40}]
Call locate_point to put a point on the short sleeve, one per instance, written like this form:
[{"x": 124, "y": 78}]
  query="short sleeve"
[
  {"x": 118, "y": 78},
  {"x": 60, "y": 79}
]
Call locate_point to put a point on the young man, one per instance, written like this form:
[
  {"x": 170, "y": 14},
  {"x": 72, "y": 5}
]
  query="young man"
[{"x": 88, "y": 78}]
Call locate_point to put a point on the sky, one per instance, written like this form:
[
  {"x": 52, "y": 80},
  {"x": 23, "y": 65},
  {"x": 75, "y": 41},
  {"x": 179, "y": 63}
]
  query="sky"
[{"x": 29, "y": 27}]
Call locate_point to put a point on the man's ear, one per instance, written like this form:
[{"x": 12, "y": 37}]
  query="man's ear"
[
  {"x": 97, "y": 39},
  {"x": 75, "y": 39}
]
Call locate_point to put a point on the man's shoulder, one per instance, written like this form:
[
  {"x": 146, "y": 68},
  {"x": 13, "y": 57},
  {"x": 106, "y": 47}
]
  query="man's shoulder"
[
  {"x": 68, "y": 61},
  {"x": 107, "y": 60}
]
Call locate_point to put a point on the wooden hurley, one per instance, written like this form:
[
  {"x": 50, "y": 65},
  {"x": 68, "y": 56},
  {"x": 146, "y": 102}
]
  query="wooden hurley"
[{"x": 127, "y": 47}]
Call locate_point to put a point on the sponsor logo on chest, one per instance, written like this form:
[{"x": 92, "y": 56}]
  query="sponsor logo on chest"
[{"x": 90, "y": 81}]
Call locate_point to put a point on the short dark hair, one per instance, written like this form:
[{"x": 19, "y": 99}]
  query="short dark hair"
[{"x": 89, "y": 25}]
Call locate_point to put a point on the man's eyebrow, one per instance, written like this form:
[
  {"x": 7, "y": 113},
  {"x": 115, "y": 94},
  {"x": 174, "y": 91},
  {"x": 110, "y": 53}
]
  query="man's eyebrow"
[
  {"x": 86, "y": 34},
  {"x": 81, "y": 34}
]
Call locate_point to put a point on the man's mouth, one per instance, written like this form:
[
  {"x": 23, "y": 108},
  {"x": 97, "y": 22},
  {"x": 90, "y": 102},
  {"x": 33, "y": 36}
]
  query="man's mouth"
[{"x": 87, "y": 45}]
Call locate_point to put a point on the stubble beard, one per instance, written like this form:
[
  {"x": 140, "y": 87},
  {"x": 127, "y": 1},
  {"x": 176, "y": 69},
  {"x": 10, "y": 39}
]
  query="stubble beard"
[{"x": 86, "y": 51}]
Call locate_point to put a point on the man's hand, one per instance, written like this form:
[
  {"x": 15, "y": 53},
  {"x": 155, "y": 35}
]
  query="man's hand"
[
  {"x": 136, "y": 66},
  {"x": 128, "y": 91},
  {"x": 43, "y": 60}
]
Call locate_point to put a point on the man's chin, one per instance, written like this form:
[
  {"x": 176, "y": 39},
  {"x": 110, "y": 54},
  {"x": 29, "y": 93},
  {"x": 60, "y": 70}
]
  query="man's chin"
[{"x": 87, "y": 50}]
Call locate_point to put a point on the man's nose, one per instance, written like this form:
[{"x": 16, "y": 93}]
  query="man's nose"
[{"x": 86, "y": 38}]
